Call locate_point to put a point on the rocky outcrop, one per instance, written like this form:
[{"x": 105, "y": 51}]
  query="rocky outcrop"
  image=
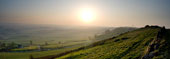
[{"x": 154, "y": 45}]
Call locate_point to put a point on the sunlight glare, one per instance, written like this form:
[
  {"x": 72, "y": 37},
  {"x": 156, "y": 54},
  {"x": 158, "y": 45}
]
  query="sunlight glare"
[{"x": 87, "y": 15}]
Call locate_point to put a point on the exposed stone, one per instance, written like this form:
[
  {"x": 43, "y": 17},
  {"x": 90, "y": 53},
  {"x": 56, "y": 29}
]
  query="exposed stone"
[{"x": 154, "y": 45}]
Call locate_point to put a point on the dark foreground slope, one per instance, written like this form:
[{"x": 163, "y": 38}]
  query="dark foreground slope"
[{"x": 144, "y": 43}]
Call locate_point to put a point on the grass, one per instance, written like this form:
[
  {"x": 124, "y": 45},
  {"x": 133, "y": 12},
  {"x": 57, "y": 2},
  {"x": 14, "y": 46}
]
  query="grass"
[{"x": 131, "y": 48}]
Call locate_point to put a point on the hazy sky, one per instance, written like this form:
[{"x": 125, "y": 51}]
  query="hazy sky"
[{"x": 67, "y": 12}]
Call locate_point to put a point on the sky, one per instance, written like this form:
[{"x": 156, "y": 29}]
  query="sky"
[{"x": 114, "y": 13}]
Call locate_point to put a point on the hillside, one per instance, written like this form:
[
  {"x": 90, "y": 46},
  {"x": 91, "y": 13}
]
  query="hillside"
[
  {"x": 114, "y": 32},
  {"x": 146, "y": 43}
]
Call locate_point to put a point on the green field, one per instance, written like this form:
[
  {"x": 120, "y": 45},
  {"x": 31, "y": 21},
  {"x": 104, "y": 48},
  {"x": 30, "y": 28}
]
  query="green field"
[{"x": 26, "y": 55}]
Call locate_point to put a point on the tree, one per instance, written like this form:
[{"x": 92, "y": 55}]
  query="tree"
[
  {"x": 12, "y": 45},
  {"x": 0, "y": 44},
  {"x": 30, "y": 42},
  {"x": 31, "y": 57},
  {"x": 46, "y": 43},
  {"x": 3, "y": 45},
  {"x": 107, "y": 31},
  {"x": 147, "y": 26},
  {"x": 95, "y": 36},
  {"x": 59, "y": 42}
]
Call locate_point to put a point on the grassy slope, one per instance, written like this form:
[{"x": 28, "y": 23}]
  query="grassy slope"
[
  {"x": 114, "y": 32},
  {"x": 133, "y": 47}
]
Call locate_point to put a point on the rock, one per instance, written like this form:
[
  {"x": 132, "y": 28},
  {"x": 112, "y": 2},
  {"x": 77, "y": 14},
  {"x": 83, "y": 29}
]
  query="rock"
[
  {"x": 124, "y": 38},
  {"x": 116, "y": 40}
]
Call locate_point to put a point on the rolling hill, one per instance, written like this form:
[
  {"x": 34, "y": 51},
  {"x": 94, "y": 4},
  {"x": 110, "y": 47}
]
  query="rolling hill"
[
  {"x": 113, "y": 32},
  {"x": 150, "y": 42}
]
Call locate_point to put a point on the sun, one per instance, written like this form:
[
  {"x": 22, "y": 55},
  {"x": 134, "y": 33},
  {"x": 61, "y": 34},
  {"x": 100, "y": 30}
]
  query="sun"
[{"x": 87, "y": 15}]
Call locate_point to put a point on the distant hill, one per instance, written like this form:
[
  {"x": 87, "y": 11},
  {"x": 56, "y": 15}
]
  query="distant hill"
[
  {"x": 150, "y": 42},
  {"x": 23, "y": 34},
  {"x": 15, "y": 31},
  {"x": 113, "y": 32}
]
